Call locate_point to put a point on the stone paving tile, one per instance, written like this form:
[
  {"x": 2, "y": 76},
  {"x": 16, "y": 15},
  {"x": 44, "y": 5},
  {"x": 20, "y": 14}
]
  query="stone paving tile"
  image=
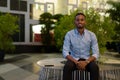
[
  {"x": 32, "y": 67},
  {"x": 16, "y": 74},
  {"x": 1, "y": 78},
  {"x": 7, "y": 67},
  {"x": 16, "y": 58},
  {"x": 21, "y": 63},
  {"x": 32, "y": 77}
]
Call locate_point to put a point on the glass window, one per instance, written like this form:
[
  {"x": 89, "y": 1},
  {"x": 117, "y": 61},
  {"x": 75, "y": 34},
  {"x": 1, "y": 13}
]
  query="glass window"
[
  {"x": 102, "y": 5},
  {"x": 19, "y": 37},
  {"x": 72, "y": 1},
  {"x": 23, "y": 5},
  {"x": 84, "y": 5},
  {"x": 70, "y": 9},
  {"x": 14, "y": 5},
  {"x": 50, "y": 8},
  {"x": 44, "y": 1},
  {"x": 18, "y": 5},
  {"x": 36, "y": 10},
  {"x": 35, "y": 32},
  {"x": 3, "y": 3}
]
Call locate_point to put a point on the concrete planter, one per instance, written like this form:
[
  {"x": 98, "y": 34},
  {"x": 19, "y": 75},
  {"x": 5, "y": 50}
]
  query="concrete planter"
[{"x": 2, "y": 55}]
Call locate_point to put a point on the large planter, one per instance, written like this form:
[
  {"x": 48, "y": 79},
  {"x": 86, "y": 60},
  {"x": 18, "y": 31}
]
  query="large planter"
[{"x": 2, "y": 55}]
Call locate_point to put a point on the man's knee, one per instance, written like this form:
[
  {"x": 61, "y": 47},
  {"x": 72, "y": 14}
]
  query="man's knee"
[
  {"x": 69, "y": 65},
  {"x": 92, "y": 67}
]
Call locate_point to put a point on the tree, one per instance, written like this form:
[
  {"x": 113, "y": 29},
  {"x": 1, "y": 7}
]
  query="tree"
[
  {"x": 46, "y": 19},
  {"x": 8, "y": 28},
  {"x": 65, "y": 24},
  {"x": 49, "y": 21},
  {"x": 57, "y": 17},
  {"x": 114, "y": 12},
  {"x": 102, "y": 27}
]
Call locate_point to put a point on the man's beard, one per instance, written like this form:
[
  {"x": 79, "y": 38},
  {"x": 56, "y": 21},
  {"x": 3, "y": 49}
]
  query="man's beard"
[{"x": 80, "y": 26}]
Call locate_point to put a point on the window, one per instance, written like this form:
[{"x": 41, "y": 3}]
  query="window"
[
  {"x": 84, "y": 5},
  {"x": 50, "y": 8},
  {"x": 3, "y": 3},
  {"x": 18, "y": 5},
  {"x": 23, "y": 5},
  {"x": 35, "y": 32},
  {"x": 36, "y": 10},
  {"x": 72, "y": 1},
  {"x": 19, "y": 37}
]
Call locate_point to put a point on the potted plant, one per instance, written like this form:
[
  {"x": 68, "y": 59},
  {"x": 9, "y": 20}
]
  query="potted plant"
[{"x": 8, "y": 28}]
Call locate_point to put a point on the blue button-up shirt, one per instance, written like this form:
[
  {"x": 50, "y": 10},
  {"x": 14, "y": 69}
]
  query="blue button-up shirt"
[{"x": 80, "y": 46}]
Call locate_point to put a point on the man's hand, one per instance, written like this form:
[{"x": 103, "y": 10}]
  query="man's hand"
[{"x": 81, "y": 65}]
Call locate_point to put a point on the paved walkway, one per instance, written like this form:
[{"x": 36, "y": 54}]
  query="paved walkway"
[{"x": 24, "y": 66}]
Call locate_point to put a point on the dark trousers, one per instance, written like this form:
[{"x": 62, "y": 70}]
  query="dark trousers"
[{"x": 69, "y": 67}]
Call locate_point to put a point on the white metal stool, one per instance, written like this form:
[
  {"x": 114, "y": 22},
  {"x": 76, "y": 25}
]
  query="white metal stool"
[
  {"x": 80, "y": 75},
  {"x": 51, "y": 73},
  {"x": 54, "y": 73}
]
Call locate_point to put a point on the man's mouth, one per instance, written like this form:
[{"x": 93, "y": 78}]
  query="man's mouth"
[{"x": 79, "y": 25}]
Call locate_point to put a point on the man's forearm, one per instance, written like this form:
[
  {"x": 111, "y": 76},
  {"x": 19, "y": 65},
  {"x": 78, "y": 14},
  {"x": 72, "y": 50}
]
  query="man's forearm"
[
  {"x": 92, "y": 58},
  {"x": 71, "y": 59}
]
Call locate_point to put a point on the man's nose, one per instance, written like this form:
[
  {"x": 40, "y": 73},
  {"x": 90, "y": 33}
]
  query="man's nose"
[{"x": 79, "y": 22}]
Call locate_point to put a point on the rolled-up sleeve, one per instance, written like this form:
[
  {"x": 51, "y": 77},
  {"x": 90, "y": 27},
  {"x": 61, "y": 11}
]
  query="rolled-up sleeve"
[
  {"x": 66, "y": 45},
  {"x": 94, "y": 46}
]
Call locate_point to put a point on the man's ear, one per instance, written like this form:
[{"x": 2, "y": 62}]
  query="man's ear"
[{"x": 74, "y": 23}]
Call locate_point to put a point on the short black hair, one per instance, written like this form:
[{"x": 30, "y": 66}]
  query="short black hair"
[{"x": 80, "y": 14}]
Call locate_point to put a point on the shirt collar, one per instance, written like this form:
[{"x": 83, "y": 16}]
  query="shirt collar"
[{"x": 76, "y": 31}]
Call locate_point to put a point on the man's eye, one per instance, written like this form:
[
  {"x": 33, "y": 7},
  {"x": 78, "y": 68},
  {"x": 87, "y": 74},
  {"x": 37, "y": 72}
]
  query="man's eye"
[{"x": 80, "y": 20}]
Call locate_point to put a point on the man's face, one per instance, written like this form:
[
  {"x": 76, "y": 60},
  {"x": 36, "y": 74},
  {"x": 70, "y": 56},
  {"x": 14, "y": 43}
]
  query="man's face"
[{"x": 80, "y": 21}]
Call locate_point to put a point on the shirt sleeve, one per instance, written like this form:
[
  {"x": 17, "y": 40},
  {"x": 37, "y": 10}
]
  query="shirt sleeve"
[
  {"x": 94, "y": 46},
  {"x": 66, "y": 46}
]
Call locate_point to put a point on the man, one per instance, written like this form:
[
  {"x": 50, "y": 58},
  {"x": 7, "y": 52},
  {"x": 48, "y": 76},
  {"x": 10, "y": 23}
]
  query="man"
[{"x": 76, "y": 49}]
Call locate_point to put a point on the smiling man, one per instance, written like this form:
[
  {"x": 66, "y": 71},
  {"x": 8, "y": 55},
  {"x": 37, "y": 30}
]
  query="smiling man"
[{"x": 76, "y": 49}]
